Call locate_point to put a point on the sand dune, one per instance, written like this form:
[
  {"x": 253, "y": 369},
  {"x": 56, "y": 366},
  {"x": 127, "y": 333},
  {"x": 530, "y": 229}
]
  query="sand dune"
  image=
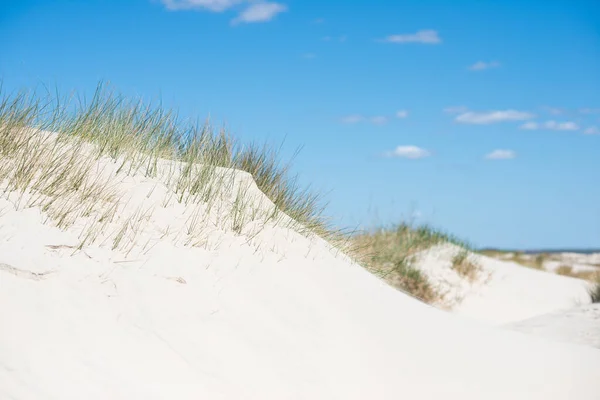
[
  {"x": 504, "y": 291},
  {"x": 260, "y": 312}
]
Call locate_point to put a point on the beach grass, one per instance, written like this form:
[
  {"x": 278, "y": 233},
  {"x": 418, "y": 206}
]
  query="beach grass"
[
  {"x": 389, "y": 251},
  {"x": 50, "y": 147}
]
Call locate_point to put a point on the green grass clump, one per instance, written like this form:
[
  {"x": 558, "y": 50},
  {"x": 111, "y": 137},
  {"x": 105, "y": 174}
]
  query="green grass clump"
[
  {"x": 57, "y": 172},
  {"x": 387, "y": 252},
  {"x": 464, "y": 266}
]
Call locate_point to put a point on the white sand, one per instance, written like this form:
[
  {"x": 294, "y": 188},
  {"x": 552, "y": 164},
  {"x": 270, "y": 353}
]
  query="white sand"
[
  {"x": 579, "y": 325},
  {"x": 275, "y": 317},
  {"x": 505, "y": 292}
]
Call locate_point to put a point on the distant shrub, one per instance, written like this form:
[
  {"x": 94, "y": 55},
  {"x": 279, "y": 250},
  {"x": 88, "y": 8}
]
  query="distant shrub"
[{"x": 565, "y": 270}]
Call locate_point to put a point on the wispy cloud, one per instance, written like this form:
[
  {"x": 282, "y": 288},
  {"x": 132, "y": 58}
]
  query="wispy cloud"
[
  {"x": 410, "y": 152},
  {"x": 530, "y": 126},
  {"x": 376, "y": 119},
  {"x": 481, "y": 65},
  {"x": 259, "y": 12},
  {"x": 254, "y": 11},
  {"x": 379, "y": 120},
  {"x": 352, "y": 119},
  {"x": 592, "y": 130},
  {"x": 492, "y": 117},
  {"x": 309, "y": 56},
  {"x": 426, "y": 36},
  {"x": 550, "y": 125},
  {"x": 318, "y": 21},
  {"x": 501, "y": 154},
  {"x": 209, "y": 5},
  {"x": 561, "y": 126}
]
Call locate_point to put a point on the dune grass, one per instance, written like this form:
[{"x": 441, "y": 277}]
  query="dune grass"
[
  {"x": 530, "y": 261},
  {"x": 59, "y": 173},
  {"x": 567, "y": 270},
  {"x": 465, "y": 266},
  {"x": 536, "y": 261},
  {"x": 388, "y": 253},
  {"x": 594, "y": 290}
]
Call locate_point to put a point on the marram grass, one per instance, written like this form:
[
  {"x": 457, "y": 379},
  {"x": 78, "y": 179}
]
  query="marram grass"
[
  {"x": 59, "y": 175},
  {"x": 388, "y": 252}
]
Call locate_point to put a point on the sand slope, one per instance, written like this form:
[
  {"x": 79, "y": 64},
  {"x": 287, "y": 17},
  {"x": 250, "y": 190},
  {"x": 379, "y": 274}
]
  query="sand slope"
[
  {"x": 579, "y": 325},
  {"x": 277, "y": 316},
  {"x": 505, "y": 291}
]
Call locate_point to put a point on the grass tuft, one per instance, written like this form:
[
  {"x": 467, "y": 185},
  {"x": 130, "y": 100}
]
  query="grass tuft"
[
  {"x": 388, "y": 252},
  {"x": 464, "y": 266},
  {"x": 594, "y": 291}
]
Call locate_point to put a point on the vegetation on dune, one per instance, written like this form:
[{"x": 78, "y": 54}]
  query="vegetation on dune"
[
  {"x": 388, "y": 253},
  {"x": 539, "y": 260},
  {"x": 50, "y": 148},
  {"x": 57, "y": 173},
  {"x": 567, "y": 270},
  {"x": 594, "y": 290},
  {"x": 465, "y": 266},
  {"x": 536, "y": 261}
]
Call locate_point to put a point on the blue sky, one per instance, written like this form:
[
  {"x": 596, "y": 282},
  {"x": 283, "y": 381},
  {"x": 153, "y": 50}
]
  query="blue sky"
[{"x": 482, "y": 119}]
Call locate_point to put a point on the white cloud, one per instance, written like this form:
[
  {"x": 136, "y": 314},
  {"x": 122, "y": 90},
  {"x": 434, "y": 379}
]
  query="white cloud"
[
  {"x": 352, "y": 119},
  {"x": 411, "y": 152},
  {"x": 255, "y": 11},
  {"x": 492, "y": 117},
  {"x": 531, "y": 126},
  {"x": 561, "y": 126},
  {"x": 259, "y": 12},
  {"x": 501, "y": 154},
  {"x": 309, "y": 56},
  {"x": 379, "y": 120},
  {"x": 318, "y": 21},
  {"x": 210, "y": 5},
  {"x": 375, "y": 120},
  {"x": 427, "y": 36},
  {"x": 481, "y": 65},
  {"x": 590, "y": 111},
  {"x": 456, "y": 110},
  {"x": 592, "y": 130},
  {"x": 551, "y": 125}
]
